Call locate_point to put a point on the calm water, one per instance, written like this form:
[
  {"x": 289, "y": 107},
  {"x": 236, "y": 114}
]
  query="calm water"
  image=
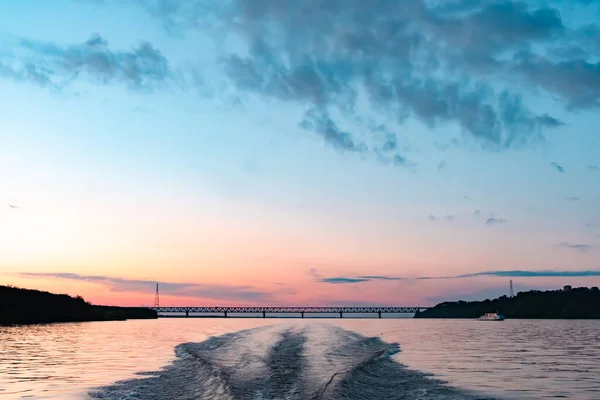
[{"x": 302, "y": 359}]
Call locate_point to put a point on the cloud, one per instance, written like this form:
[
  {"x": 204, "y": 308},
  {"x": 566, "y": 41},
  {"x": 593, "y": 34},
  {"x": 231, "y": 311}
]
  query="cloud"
[
  {"x": 321, "y": 123},
  {"x": 549, "y": 121},
  {"x": 358, "y": 279},
  {"x": 476, "y": 213},
  {"x": 592, "y": 168},
  {"x": 208, "y": 291},
  {"x": 52, "y": 65},
  {"x": 465, "y": 63},
  {"x": 576, "y": 81},
  {"x": 448, "y": 218},
  {"x": 574, "y": 198},
  {"x": 468, "y": 64},
  {"x": 501, "y": 274},
  {"x": 399, "y": 57},
  {"x": 591, "y": 225},
  {"x": 495, "y": 221},
  {"x": 580, "y": 247},
  {"x": 441, "y": 165},
  {"x": 528, "y": 274},
  {"x": 558, "y": 167},
  {"x": 381, "y": 277},
  {"x": 342, "y": 279},
  {"x": 401, "y": 161}
]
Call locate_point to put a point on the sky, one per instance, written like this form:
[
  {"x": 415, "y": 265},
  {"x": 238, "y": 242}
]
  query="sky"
[{"x": 305, "y": 152}]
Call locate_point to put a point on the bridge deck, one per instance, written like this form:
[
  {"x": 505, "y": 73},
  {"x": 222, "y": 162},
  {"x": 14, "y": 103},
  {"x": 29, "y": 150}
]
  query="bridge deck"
[{"x": 288, "y": 310}]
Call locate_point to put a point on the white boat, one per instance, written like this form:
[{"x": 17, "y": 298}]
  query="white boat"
[{"x": 492, "y": 317}]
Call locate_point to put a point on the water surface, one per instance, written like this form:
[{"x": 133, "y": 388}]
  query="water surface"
[{"x": 332, "y": 359}]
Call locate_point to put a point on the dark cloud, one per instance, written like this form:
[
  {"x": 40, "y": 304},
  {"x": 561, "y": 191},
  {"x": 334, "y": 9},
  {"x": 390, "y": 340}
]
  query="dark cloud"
[
  {"x": 549, "y": 121},
  {"x": 380, "y": 277},
  {"x": 434, "y": 61},
  {"x": 358, "y": 279},
  {"x": 576, "y": 81},
  {"x": 210, "y": 291},
  {"x": 320, "y": 122},
  {"x": 51, "y": 65},
  {"x": 27, "y": 72},
  {"x": 343, "y": 280},
  {"x": 411, "y": 58},
  {"x": 495, "y": 221},
  {"x": 466, "y": 63},
  {"x": 526, "y": 274},
  {"x": 580, "y": 247},
  {"x": 501, "y": 274},
  {"x": 401, "y": 161},
  {"x": 559, "y": 168}
]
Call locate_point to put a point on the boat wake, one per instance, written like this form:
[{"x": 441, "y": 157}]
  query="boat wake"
[{"x": 314, "y": 362}]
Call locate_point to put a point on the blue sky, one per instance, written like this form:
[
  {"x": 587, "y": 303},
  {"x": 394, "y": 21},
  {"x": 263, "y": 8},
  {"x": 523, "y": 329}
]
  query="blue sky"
[{"x": 251, "y": 143}]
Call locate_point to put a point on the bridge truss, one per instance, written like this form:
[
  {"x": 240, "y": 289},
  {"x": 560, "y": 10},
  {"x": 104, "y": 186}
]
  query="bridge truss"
[{"x": 224, "y": 311}]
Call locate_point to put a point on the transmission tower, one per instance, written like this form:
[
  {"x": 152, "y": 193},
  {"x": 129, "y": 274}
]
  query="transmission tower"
[
  {"x": 156, "y": 302},
  {"x": 512, "y": 292}
]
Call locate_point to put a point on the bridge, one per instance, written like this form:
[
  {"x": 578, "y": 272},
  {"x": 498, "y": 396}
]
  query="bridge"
[{"x": 225, "y": 312}]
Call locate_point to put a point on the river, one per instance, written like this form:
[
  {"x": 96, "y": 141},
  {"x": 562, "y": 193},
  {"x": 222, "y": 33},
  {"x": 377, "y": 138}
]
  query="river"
[{"x": 302, "y": 359}]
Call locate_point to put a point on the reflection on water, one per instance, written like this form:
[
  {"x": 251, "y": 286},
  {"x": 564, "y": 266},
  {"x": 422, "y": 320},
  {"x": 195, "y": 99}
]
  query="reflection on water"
[{"x": 512, "y": 359}]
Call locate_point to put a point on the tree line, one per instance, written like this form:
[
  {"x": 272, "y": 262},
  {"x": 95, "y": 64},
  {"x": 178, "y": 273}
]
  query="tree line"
[
  {"x": 576, "y": 303},
  {"x": 26, "y": 306}
]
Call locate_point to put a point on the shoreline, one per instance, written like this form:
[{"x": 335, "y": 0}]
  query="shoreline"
[
  {"x": 30, "y": 307},
  {"x": 70, "y": 321},
  {"x": 566, "y": 304},
  {"x": 14, "y": 325}
]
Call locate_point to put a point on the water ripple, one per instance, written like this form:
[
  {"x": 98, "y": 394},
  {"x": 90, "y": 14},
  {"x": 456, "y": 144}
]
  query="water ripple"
[{"x": 516, "y": 359}]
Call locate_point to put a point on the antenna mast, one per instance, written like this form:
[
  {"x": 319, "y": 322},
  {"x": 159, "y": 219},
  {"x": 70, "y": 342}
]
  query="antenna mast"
[
  {"x": 512, "y": 292},
  {"x": 156, "y": 302}
]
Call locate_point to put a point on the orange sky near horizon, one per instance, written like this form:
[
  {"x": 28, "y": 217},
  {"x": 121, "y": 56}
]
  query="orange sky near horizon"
[{"x": 307, "y": 293}]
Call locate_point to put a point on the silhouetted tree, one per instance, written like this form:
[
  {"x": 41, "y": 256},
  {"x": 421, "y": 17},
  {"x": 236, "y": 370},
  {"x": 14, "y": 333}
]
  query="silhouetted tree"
[
  {"x": 25, "y": 306},
  {"x": 577, "y": 303}
]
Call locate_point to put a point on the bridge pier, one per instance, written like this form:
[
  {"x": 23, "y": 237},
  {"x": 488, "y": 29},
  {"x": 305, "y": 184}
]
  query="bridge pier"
[
  {"x": 225, "y": 314},
  {"x": 341, "y": 315},
  {"x": 264, "y": 314},
  {"x": 302, "y": 313},
  {"x": 379, "y": 314},
  {"x": 187, "y": 313}
]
